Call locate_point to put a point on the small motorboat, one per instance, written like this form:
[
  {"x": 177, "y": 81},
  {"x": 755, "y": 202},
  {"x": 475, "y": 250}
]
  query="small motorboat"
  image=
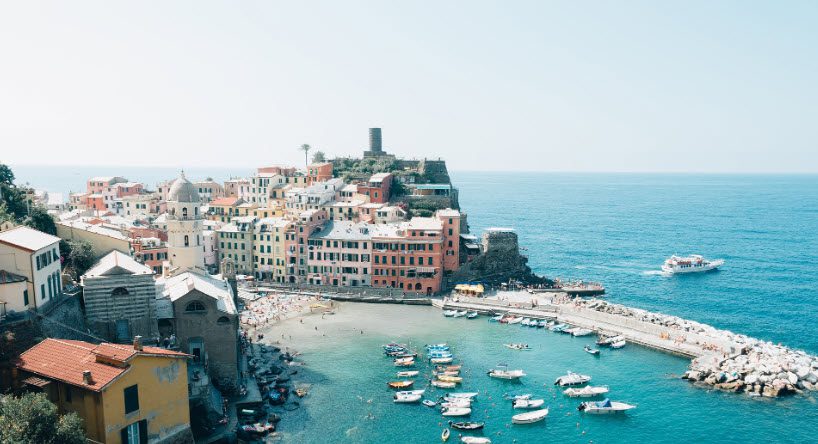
[
  {"x": 461, "y": 403},
  {"x": 447, "y": 378},
  {"x": 411, "y": 392},
  {"x": 578, "y": 332},
  {"x": 525, "y": 322},
  {"x": 408, "y": 374},
  {"x": 521, "y": 347},
  {"x": 429, "y": 403},
  {"x": 542, "y": 323},
  {"x": 592, "y": 351},
  {"x": 472, "y": 315},
  {"x": 588, "y": 391},
  {"x": 437, "y": 347},
  {"x": 517, "y": 396},
  {"x": 572, "y": 379},
  {"x": 605, "y": 341},
  {"x": 467, "y": 425},
  {"x": 502, "y": 372},
  {"x": 516, "y": 320},
  {"x": 446, "y": 373},
  {"x": 405, "y": 362},
  {"x": 440, "y": 354},
  {"x": 497, "y": 318},
  {"x": 559, "y": 328},
  {"x": 443, "y": 384},
  {"x": 460, "y": 314},
  {"x": 445, "y": 435},
  {"x": 400, "y": 384},
  {"x": 528, "y": 403},
  {"x": 475, "y": 440},
  {"x": 529, "y": 417},
  {"x": 604, "y": 407},
  {"x": 456, "y": 411},
  {"x": 618, "y": 344},
  {"x": 449, "y": 313},
  {"x": 469, "y": 395},
  {"x": 448, "y": 368},
  {"x": 442, "y": 360},
  {"x": 406, "y": 398}
]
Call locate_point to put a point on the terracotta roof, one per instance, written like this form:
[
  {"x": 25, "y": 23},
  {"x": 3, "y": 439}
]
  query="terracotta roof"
[
  {"x": 226, "y": 201},
  {"x": 65, "y": 360}
]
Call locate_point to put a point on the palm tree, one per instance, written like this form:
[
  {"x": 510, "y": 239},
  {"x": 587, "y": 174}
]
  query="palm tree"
[{"x": 306, "y": 149}]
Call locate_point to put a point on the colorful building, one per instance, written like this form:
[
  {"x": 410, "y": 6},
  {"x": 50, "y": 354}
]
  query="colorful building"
[
  {"x": 34, "y": 255},
  {"x": 269, "y": 249},
  {"x": 378, "y": 188},
  {"x": 123, "y": 393},
  {"x": 236, "y": 242},
  {"x": 340, "y": 254},
  {"x": 408, "y": 255}
]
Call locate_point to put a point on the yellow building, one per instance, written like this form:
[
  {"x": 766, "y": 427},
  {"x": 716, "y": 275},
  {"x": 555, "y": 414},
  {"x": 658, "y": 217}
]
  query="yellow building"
[
  {"x": 123, "y": 393},
  {"x": 269, "y": 254}
]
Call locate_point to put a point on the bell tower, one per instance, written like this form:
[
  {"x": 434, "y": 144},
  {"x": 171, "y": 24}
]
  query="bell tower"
[{"x": 185, "y": 242}]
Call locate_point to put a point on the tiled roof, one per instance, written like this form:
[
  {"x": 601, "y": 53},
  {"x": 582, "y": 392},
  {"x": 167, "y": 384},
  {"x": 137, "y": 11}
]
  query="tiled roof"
[
  {"x": 177, "y": 286},
  {"x": 225, "y": 201},
  {"x": 27, "y": 238},
  {"x": 65, "y": 360},
  {"x": 116, "y": 262}
]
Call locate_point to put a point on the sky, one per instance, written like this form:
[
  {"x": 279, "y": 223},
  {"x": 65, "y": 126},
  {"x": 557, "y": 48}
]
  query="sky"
[{"x": 642, "y": 86}]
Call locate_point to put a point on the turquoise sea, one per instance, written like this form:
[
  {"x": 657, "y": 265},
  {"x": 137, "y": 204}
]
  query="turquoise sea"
[{"x": 613, "y": 228}]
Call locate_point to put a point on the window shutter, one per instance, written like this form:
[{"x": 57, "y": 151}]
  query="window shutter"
[{"x": 143, "y": 431}]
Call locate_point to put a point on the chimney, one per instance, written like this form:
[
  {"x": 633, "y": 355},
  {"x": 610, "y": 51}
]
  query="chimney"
[
  {"x": 86, "y": 377},
  {"x": 137, "y": 343}
]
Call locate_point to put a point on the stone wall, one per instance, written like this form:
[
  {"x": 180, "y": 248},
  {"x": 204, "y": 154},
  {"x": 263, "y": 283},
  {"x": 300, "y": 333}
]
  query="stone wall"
[{"x": 137, "y": 306}]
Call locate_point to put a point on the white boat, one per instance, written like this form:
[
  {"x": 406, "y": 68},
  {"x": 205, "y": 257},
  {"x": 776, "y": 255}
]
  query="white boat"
[
  {"x": 502, "y": 372},
  {"x": 516, "y": 320},
  {"x": 472, "y": 315},
  {"x": 516, "y": 397},
  {"x": 530, "y": 417},
  {"x": 572, "y": 379},
  {"x": 406, "y": 398},
  {"x": 463, "y": 395},
  {"x": 429, "y": 403},
  {"x": 528, "y": 403},
  {"x": 460, "y": 314},
  {"x": 577, "y": 332},
  {"x": 449, "y": 313},
  {"x": 526, "y": 322},
  {"x": 457, "y": 402},
  {"x": 496, "y": 318},
  {"x": 456, "y": 411},
  {"x": 592, "y": 351},
  {"x": 440, "y": 345},
  {"x": 475, "y": 440},
  {"x": 618, "y": 344},
  {"x": 604, "y": 407},
  {"x": 442, "y": 360},
  {"x": 408, "y": 374},
  {"x": 586, "y": 392},
  {"x": 411, "y": 392},
  {"x": 405, "y": 362},
  {"x": 443, "y": 384},
  {"x": 690, "y": 264},
  {"x": 521, "y": 347}
]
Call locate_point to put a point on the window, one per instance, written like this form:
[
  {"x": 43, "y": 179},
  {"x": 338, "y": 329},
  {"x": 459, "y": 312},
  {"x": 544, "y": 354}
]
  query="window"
[
  {"x": 187, "y": 241},
  {"x": 184, "y": 213},
  {"x": 131, "y": 398},
  {"x": 194, "y": 307},
  {"x": 136, "y": 433},
  {"x": 119, "y": 291},
  {"x": 25, "y": 297},
  {"x": 67, "y": 393},
  {"x": 223, "y": 320}
]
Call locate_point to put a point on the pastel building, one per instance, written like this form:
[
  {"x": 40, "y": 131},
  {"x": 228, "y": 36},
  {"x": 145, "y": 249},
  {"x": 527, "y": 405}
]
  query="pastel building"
[
  {"x": 319, "y": 172},
  {"x": 209, "y": 189},
  {"x": 377, "y": 188},
  {"x": 340, "y": 254},
  {"x": 238, "y": 188},
  {"x": 451, "y": 233},
  {"x": 408, "y": 255},
  {"x": 35, "y": 256},
  {"x": 295, "y": 243},
  {"x": 236, "y": 242},
  {"x": 269, "y": 248}
]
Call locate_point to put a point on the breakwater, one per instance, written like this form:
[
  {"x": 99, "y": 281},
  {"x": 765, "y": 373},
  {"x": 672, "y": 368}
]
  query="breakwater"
[{"x": 720, "y": 359}]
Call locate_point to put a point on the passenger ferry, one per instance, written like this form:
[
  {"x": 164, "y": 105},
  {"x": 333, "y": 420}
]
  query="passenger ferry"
[{"x": 690, "y": 264}]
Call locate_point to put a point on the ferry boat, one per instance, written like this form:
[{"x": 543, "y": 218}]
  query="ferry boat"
[{"x": 691, "y": 264}]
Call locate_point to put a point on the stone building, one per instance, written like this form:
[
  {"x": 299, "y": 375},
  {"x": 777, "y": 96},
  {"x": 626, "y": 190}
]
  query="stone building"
[
  {"x": 205, "y": 322},
  {"x": 120, "y": 298},
  {"x": 185, "y": 244}
]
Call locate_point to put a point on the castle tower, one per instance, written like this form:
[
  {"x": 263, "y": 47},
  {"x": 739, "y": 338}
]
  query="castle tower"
[
  {"x": 185, "y": 249},
  {"x": 375, "y": 144}
]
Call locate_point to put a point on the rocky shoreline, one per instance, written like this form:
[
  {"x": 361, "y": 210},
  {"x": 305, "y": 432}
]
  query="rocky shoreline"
[{"x": 729, "y": 361}]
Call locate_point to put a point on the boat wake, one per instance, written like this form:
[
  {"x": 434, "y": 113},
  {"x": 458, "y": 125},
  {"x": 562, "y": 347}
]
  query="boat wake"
[{"x": 654, "y": 273}]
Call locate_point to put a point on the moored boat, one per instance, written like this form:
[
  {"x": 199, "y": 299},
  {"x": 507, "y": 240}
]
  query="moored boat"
[
  {"x": 589, "y": 350},
  {"x": 467, "y": 425},
  {"x": 475, "y": 440},
  {"x": 472, "y": 315},
  {"x": 448, "y": 368},
  {"x": 542, "y": 323},
  {"x": 577, "y": 332},
  {"x": 406, "y": 398},
  {"x": 604, "y": 407},
  {"x": 521, "y": 347},
  {"x": 400, "y": 384},
  {"x": 429, "y": 403},
  {"x": 411, "y": 392},
  {"x": 586, "y": 392},
  {"x": 444, "y": 436},
  {"x": 502, "y": 372},
  {"x": 497, "y": 318},
  {"x": 456, "y": 411},
  {"x": 559, "y": 328},
  {"x": 516, "y": 320},
  {"x": 442, "y": 360},
  {"x": 469, "y": 395},
  {"x": 528, "y": 403},
  {"x": 572, "y": 379},
  {"x": 408, "y": 374},
  {"x": 456, "y": 402},
  {"x": 448, "y": 378},
  {"x": 460, "y": 314},
  {"x": 515, "y": 397},
  {"x": 449, "y": 313},
  {"x": 530, "y": 417},
  {"x": 618, "y": 344},
  {"x": 443, "y": 384}
]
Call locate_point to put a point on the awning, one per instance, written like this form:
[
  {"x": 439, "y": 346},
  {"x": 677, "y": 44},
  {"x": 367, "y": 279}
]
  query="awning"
[{"x": 425, "y": 269}]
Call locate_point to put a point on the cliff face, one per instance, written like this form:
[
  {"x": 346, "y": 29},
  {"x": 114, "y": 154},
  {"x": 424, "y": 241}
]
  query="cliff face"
[{"x": 499, "y": 262}]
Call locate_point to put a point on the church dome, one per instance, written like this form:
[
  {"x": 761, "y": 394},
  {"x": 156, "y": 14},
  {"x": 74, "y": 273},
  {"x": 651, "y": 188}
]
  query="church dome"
[{"x": 183, "y": 191}]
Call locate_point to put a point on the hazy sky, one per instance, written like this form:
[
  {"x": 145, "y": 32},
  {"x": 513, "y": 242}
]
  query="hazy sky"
[{"x": 505, "y": 85}]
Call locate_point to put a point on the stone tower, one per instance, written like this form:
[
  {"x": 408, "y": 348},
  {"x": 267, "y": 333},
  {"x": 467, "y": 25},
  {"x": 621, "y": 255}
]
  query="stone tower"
[
  {"x": 185, "y": 249},
  {"x": 375, "y": 144}
]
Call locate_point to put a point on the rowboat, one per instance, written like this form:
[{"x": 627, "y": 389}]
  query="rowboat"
[
  {"x": 456, "y": 411},
  {"x": 408, "y": 374},
  {"x": 502, "y": 372},
  {"x": 604, "y": 407},
  {"x": 586, "y": 392},
  {"x": 467, "y": 425},
  {"x": 589, "y": 350},
  {"x": 400, "y": 384},
  {"x": 406, "y": 398},
  {"x": 448, "y": 368},
  {"x": 443, "y": 384},
  {"x": 516, "y": 320},
  {"x": 475, "y": 440},
  {"x": 445, "y": 435},
  {"x": 528, "y": 403},
  {"x": 405, "y": 363},
  {"x": 572, "y": 379},
  {"x": 530, "y": 417},
  {"x": 442, "y": 360},
  {"x": 447, "y": 378}
]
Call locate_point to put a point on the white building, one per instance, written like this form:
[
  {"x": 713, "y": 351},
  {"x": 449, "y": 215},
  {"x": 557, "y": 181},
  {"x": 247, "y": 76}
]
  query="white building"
[
  {"x": 314, "y": 196},
  {"x": 184, "y": 222},
  {"x": 36, "y": 256}
]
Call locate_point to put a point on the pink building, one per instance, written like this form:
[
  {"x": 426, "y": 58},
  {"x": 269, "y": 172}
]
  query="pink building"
[
  {"x": 340, "y": 254},
  {"x": 451, "y": 238},
  {"x": 408, "y": 255},
  {"x": 378, "y": 188},
  {"x": 295, "y": 243}
]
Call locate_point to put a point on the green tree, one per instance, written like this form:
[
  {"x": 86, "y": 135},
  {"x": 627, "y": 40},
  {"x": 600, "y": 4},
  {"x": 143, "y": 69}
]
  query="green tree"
[
  {"x": 39, "y": 219},
  {"x": 306, "y": 149},
  {"x": 6, "y": 175},
  {"x": 33, "y": 419},
  {"x": 319, "y": 157},
  {"x": 78, "y": 256}
]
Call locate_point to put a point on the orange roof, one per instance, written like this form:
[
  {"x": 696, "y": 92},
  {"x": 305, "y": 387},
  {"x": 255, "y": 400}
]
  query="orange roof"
[
  {"x": 225, "y": 201},
  {"x": 65, "y": 360}
]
